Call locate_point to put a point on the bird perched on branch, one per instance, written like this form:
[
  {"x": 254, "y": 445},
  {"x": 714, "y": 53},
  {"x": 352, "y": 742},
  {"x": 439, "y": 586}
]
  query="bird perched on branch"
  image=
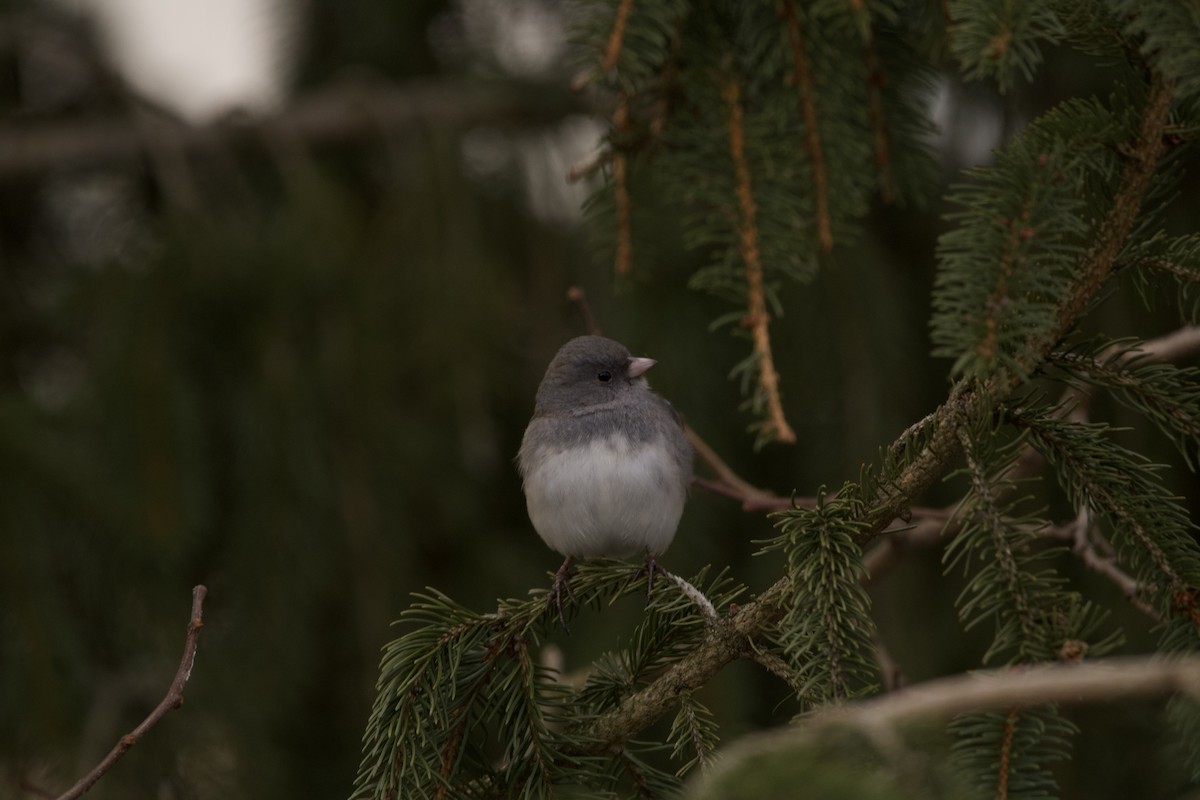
[{"x": 604, "y": 462}]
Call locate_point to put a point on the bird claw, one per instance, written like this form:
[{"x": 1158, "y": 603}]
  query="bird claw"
[
  {"x": 562, "y": 583},
  {"x": 650, "y": 569}
]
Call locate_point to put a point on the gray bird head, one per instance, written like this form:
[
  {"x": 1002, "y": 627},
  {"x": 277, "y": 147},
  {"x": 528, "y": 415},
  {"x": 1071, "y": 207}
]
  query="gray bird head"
[{"x": 590, "y": 370}]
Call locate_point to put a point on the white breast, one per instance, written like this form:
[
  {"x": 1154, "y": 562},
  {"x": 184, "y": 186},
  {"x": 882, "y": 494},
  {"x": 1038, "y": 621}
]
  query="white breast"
[{"x": 608, "y": 499}]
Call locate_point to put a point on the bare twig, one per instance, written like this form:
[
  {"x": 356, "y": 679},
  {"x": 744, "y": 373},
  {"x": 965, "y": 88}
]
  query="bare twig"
[
  {"x": 889, "y": 669},
  {"x": 729, "y": 483},
  {"x": 34, "y": 789},
  {"x": 1173, "y": 346},
  {"x": 577, "y": 296},
  {"x": 581, "y": 169},
  {"x": 172, "y": 700},
  {"x": 337, "y": 114},
  {"x": 1079, "y": 534},
  {"x": 695, "y": 595}
]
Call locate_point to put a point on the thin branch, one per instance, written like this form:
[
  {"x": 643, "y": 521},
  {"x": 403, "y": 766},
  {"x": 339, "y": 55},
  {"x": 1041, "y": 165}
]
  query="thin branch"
[
  {"x": 615, "y": 39},
  {"x": 1142, "y": 157},
  {"x": 1096, "y": 681},
  {"x": 876, "y": 80},
  {"x": 1006, "y": 743},
  {"x": 696, "y": 596},
  {"x": 757, "y": 318},
  {"x": 991, "y": 690},
  {"x": 581, "y": 169},
  {"x": 779, "y": 668},
  {"x": 347, "y": 113},
  {"x": 624, "y": 257},
  {"x": 730, "y": 637},
  {"x": 998, "y": 301},
  {"x": 889, "y": 669},
  {"x": 578, "y": 297},
  {"x": 172, "y": 700},
  {"x": 1173, "y": 346},
  {"x": 729, "y": 483},
  {"x": 802, "y": 78},
  {"x": 1079, "y": 534}
]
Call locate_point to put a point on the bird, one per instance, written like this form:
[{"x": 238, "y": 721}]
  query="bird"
[{"x": 605, "y": 464}]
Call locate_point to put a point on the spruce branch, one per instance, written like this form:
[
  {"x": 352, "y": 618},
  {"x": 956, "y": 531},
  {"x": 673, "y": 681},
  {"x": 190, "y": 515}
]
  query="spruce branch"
[
  {"x": 1007, "y": 753},
  {"x": 757, "y": 319},
  {"x": 624, "y": 257},
  {"x": 1166, "y": 395},
  {"x": 878, "y": 114},
  {"x": 1079, "y": 534},
  {"x": 1006, "y": 741},
  {"x": 732, "y": 637},
  {"x": 991, "y": 521},
  {"x": 172, "y": 700},
  {"x": 1142, "y": 156},
  {"x": 827, "y": 631},
  {"x": 612, "y": 50},
  {"x": 802, "y": 78}
]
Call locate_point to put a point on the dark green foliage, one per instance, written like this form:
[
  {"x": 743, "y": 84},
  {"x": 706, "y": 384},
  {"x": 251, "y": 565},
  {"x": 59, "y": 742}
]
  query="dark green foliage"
[
  {"x": 1149, "y": 529},
  {"x": 1014, "y": 750},
  {"x": 1166, "y": 395},
  {"x": 693, "y": 734},
  {"x": 713, "y": 77},
  {"x": 826, "y": 633},
  {"x": 465, "y": 706},
  {"x": 999, "y": 40},
  {"x": 1026, "y": 222},
  {"x": 1183, "y": 717},
  {"x": 1168, "y": 34},
  {"x": 304, "y": 389},
  {"x": 1013, "y": 582},
  {"x": 1164, "y": 258}
]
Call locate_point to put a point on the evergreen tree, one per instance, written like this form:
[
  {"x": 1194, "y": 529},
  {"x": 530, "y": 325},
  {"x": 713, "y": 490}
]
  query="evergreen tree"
[{"x": 775, "y": 128}]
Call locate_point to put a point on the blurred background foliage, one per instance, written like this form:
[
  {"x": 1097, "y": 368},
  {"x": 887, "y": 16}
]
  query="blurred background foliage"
[{"x": 299, "y": 375}]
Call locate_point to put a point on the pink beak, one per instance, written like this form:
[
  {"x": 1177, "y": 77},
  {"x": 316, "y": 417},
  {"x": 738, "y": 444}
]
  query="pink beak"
[{"x": 638, "y": 366}]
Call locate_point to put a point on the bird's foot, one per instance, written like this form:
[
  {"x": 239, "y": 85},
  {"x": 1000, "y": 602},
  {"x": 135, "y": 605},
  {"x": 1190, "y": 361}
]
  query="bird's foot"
[
  {"x": 561, "y": 586},
  {"x": 650, "y": 569}
]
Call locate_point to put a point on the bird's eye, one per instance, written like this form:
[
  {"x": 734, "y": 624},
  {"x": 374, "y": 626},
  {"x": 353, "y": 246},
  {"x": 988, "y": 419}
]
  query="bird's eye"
[{"x": 605, "y": 376}]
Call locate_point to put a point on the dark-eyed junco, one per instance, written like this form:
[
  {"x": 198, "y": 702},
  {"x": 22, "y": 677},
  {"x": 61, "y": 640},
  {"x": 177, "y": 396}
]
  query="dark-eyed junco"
[{"x": 604, "y": 461}]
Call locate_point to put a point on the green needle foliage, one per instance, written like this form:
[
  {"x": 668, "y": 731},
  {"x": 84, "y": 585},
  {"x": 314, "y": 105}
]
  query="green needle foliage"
[
  {"x": 1009, "y": 753},
  {"x": 466, "y": 708},
  {"x": 760, "y": 137},
  {"x": 1164, "y": 394},
  {"x": 1024, "y": 224},
  {"x": 1000, "y": 40},
  {"x": 826, "y": 633},
  {"x": 1012, "y": 580},
  {"x": 1149, "y": 528},
  {"x": 763, "y": 140}
]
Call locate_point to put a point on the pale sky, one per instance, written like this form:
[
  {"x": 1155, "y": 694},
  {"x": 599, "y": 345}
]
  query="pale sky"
[{"x": 199, "y": 59}]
